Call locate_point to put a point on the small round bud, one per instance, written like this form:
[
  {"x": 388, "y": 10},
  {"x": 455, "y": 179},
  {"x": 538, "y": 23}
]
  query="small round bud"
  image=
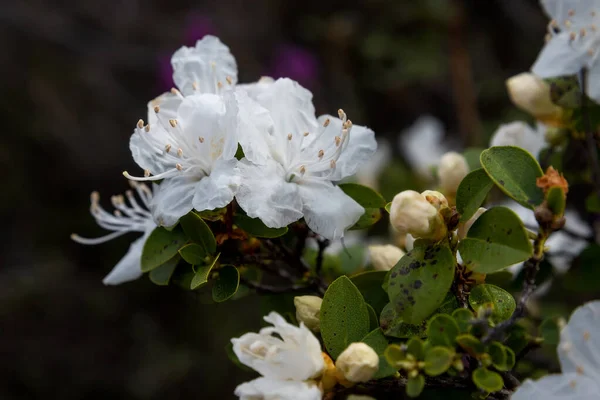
[
  {"x": 452, "y": 169},
  {"x": 412, "y": 213},
  {"x": 384, "y": 257},
  {"x": 308, "y": 310},
  {"x": 436, "y": 199},
  {"x": 531, "y": 94},
  {"x": 463, "y": 228},
  {"x": 358, "y": 363}
]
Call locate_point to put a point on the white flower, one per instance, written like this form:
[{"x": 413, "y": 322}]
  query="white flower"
[
  {"x": 463, "y": 227},
  {"x": 452, "y": 169},
  {"x": 294, "y": 355},
  {"x": 132, "y": 217},
  {"x": 358, "y": 362},
  {"x": 412, "y": 213},
  {"x": 308, "y": 311},
  {"x": 306, "y": 155},
  {"x": 368, "y": 174},
  {"x": 532, "y": 94},
  {"x": 579, "y": 354},
  {"x": 521, "y": 135},
  {"x": 273, "y": 389},
  {"x": 573, "y": 39},
  {"x": 384, "y": 257}
]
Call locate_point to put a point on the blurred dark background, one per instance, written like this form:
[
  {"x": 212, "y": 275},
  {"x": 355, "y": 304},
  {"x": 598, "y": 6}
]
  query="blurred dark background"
[{"x": 76, "y": 76}]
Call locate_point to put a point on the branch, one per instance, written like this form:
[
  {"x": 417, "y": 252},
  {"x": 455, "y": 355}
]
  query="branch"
[
  {"x": 323, "y": 244},
  {"x": 271, "y": 289}
]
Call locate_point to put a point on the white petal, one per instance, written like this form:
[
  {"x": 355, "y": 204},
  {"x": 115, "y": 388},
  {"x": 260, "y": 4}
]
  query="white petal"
[
  {"x": 272, "y": 389},
  {"x": 254, "y": 127},
  {"x": 579, "y": 348},
  {"x": 369, "y": 172},
  {"x": 519, "y": 134},
  {"x": 256, "y": 88},
  {"x": 129, "y": 268},
  {"x": 559, "y": 57},
  {"x": 327, "y": 210},
  {"x": 265, "y": 194},
  {"x": 168, "y": 104},
  {"x": 569, "y": 386},
  {"x": 427, "y": 132},
  {"x": 560, "y": 10},
  {"x": 217, "y": 189},
  {"x": 147, "y": 149},
  {"x": 173, "y": 199},
  {"x": 593, "y": 82},
  {"x": 203, "y": 66}
]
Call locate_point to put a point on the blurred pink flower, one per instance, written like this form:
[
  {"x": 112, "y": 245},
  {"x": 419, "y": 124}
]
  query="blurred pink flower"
[{"x": 294, "y": 62}]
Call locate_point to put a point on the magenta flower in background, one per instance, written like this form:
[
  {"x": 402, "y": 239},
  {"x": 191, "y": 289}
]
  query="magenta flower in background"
[
  {"x": 296, "y": 63},
  {"x": 196, "y": 27}
]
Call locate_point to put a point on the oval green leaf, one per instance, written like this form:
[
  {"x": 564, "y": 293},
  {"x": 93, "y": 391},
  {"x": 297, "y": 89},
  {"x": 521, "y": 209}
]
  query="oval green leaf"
[
  {"x": 369, "y": 285},
  {"x": 419, "y": 282},
  {"x": 416, "y": 347},
  {"x": 394, "y": 355},
  {"x": 496, "y": 240},
  {"x": 514, "y": 171},
  {"x": 470, "y": 344},
  {"x": 437, "y": 360},
  {"x": 193, "y": 253},
  {"x": 202, "y": 273},
  {"x": 394, "y": 326},
  {"x": 344, "y": 316},
  {"x": 372, "y": 201},
  {"x": 471, "y": 193},
  {"x": 162, "y": 274},
  {"x": 379, "y": 343},
  {"x": 503, "y": 302},
  {"x": 198, "y": 232},
  {"x": 373, "y": 320},
  {"x": 472, "y": 155},
  {"x": 226, "y": 284},
  {"x": 256, "y": 227},
  {"x": 463, "y": 318},
  {"x": 414, "y": 386},
  {"x": 161, "y": 246},
  {"x": 442, "y": 330},
  {"x": 487, "y": 380}
]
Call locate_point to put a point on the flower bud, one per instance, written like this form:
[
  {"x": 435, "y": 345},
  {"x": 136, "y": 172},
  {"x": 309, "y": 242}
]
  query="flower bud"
[
  {"x": 412, "y": 213},
  {"x": 452, "y": 169},
  {"x": 463, "y": 228},
  {"x": 436, "y": 199},
  {"x": 384, "y": 257},
  {"x": 358, "y": 363},
  {"x": 308, "y": 310},
  {"x": 531, "y": 94}
]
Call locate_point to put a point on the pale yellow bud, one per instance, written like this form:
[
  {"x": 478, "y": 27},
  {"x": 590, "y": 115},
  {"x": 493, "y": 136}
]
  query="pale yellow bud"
[
  {"x": 531, "y": 94},
  {"x": 384, "y": 257},
  {"x": 308, "y": 310},
  {"x": 412, "y": 213},
  {"x": 436, "y": 199},
  {"x": 452, "y": 169},
  {"x": 358, "y": 363},
  {"x": 463, "y": 228}
]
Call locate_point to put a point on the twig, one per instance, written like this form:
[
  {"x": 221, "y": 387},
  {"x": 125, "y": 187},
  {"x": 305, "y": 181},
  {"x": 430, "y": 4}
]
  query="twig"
[
  {"x": 323, "y": 244},
  {"x": 589, "y": 134},
  {"x": 271, "y": 289}
]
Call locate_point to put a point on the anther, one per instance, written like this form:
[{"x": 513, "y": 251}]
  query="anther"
[
  {"x": 289, "y": 136},
  {"x": 168, "y": 148},
  {"x": 201, "y": 139},
  {"x": 175, "y": 92},
  {"x": 146, "y": 173},
  {"x": 342, "y": 114},
  {"x": 321, "y": 153},
  {"x": 117, "y": 213},
  {"x": 173, "y": 122},
  {"x": 140, "y": 123},
  {"x": 571, "y": 12},
  {"x": 95, "y": 197},
  {"x": 195, "y": 85},
  {"x": 306, "y": 134},
  {"x": 579, "y": 370},
  {"x": 302, "y": 169},
  {"x": 572, "y": 36},
  {"x": 228, "y": 79},
  {"x": 147, "y": 128},
  {"x": 156, "y": 109},
  {"x": 338, "y": 140},
  {"x": 219, "y": 85},
  {"x": 332, "y": 163},
  {"x": 567, "y": 23},
  {"x": 582, "y": 32},
  {"x": 180, "y": 152},
  {"x": 326, "y": 123},
  {"x": 178, "y": 166},
  {"x": 586, "y": 336}
]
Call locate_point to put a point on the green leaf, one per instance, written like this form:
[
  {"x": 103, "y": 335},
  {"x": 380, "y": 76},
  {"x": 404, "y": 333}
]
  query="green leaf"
[
  {"x": 379, "y": 343},
  {"x": 487, "y": 380},
  {"x": 414, "y": 386},
  {"x": 517, "y": 339},
  {"x": 416, "y": 347},
  {"x": 352, "y": 259},
  {"x": 565, "y": 92},
  {"x": 162, "y": 274},
  {"x": 557, "y": 200},
  {"x": 193, "y": 253},
  {"x": 161, "y": 246},
  {"x": 498, "y": 355},
  {"x": 471, "y": 193},
  {"x": 592, "y": 203},
  {"x": 470, "y": 344},
  {"x": 437, "y": 360},
  {"x": 256, "y": 227},
  {"x": 511, "y": 359},
  {"x": 419, "y": 282},
  {"x": 226, "y": 284},
  {"x": 213, "y": 215},
  {"x": 472, "y": 155},
  {"x": 442, "y": 330},
  {"x": 496, "y": 240},
  {"x": 550, "y": 330},
  {"x": 372, "y": 201},
  {"x": 394, "y": 354},
  {"x": 373, "y": 320},
  {"x": 369, "y": 285},
  {"x": 514, "y": 171},
  {"x": 344, "y": 316},
  {"x": 392, "y": 325},
  {"x": 388, "y": 207},
  {"x": 504, "y": 303},
  {"x": 199, "y": 232},
  {"x": 239, "y": 154},
  {"x": 449, "y": 304},
  {"x": 463, "y": 318},
  {"x": 202, "y": 273}
]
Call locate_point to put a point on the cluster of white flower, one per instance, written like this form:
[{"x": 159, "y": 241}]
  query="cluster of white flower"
[{"x": 291, "y": 158}]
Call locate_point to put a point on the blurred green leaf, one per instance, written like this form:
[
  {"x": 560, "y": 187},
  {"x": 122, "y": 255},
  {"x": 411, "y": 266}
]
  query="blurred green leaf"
[
  {"x": 379, "y": 343},
  {"x": 503, "y": 302},
  {"x": 463, "y": 318},
  {"x": 202, "y": 273},
  {"x": 487, "y": 380},
  {"x": 472, "y": 155},
  {"x": 198, "y": 232},
  {"x": 256, "y": 227},
  {"x": 394, "y": 354},
  {"x": 442, "y": 330},
  {"x": 226, "y": 284},
  {"x": 550, "y": 330},
  {"x": 437, "y": 360},
  {"x": 470, "y": 344},
  {"x": 161, "y": 246},
  {"x": 193, "y": 253},
  {"x": 162, "y": 274},
  {"x": 414, "y": 386},
  {"x": 416, "y": 347},
  {"x": 369, "y": 285},
  {"x": 471, "y": 193}
]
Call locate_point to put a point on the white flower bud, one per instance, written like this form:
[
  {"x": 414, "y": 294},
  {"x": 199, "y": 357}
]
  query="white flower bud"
[
  {"x": 358, "y": 363},
  {"x": 463, "y": 228},
  {"x": 412, "y": 213},
  {"x": 384, "y": 257},
  {"x": 452, "y": 169},
  {"x": 308, "y": 310},
  {"x": 436, "y": 199},
  {"x": 531, "y": 94}
]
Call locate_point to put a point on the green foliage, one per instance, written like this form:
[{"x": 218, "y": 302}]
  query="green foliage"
[
  {"x": 344, "y": 316},
  {"x": 496, "y": 240},
  {"x": 226, "y": 284},
  {"x": 202, "y": 273},
  {"x": 419, "y": 282},
  {"x": 256, "y": 227},
  {"x": 517, "y": 339},
  {"x": 373, "y": 320},
  {"x": 442, "y": 331},
  {"x": 503, "y": 302},
  {"x": 556, "y": 200},
  {"x": 415, "y": 385},
  {"x": 470, "y": 344},
  {"x": 503, "y": 358},
  {"x": 584, "y": 273},
  {"x": 486, "y": 380},
  {"x": 592, "y": 203},
  {"x": 161, "y": 246},
  {"x": 463, "y": 317},
  {"x": 394, "y": 355},
  {"x": 193, "y": 253},
  {"x": 388, "y": 207},
  {"x": 437, "y": 360},
  {"x": 212, "y": 215},
  {"x": 565, "y": 91},
  {"x": 379, "y": 343},
  {"x": 197, "y": 230},
  {"x": 369, "y": 285},
  {"x": 471, "y": 193},
  {"x": 393, "y": 325},
  {"x": 162, "y": 274},
  {"x": 550, "y": 330},
  {"x": 416, "y": 347},
  {"x": 472, "y": 155},
  {"x": 514, "y": 171},
  {"x": 372, "y": 201}
]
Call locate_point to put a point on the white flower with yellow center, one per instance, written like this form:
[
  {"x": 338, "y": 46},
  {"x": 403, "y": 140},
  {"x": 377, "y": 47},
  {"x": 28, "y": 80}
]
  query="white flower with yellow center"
[{"x": 129, "y": 216}]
